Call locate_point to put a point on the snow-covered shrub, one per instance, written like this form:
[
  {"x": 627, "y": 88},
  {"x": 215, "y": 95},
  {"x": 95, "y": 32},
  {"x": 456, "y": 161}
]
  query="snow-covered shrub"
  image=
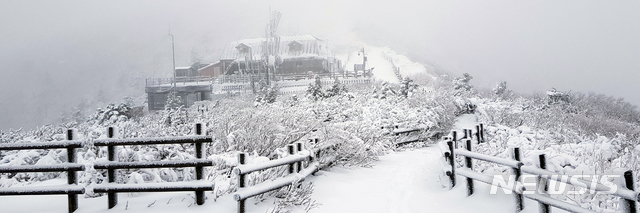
[
  {"x": 556, "y": 97},
  {"x": 385, "y": 91},
  {"x": 295, "y": 196},
  {"x": 337, "y": 88},
  {"x": 110, "y": 114},
  {"x": 464, "y": 106},
  {"x": 11, "y": 135}
]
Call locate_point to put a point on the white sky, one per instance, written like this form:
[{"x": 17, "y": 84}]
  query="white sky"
[{"x": 71, "y": 50}]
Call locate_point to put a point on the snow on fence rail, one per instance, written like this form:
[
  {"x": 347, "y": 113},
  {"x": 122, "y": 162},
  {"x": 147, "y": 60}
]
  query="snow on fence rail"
[
  {"x": 396, "y": 131},
  {"x": 449, "y": 150},
  {"x": 71, "y": 189},
  {"x": 301, "y": 163},
  {"x": 112, "y": 189}
]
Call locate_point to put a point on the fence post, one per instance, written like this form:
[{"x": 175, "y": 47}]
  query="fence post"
[
  {"x": 465, "y": 133},
  {"x": 454, "y": 137},
  {"x": 316, "y": 156},
  {"x": 515, "y": 155},
  {"x": 111, "y": 173},
  {"x": 291, "y": 149},
  {"x": 478, "y": 135},
  {"x": 71, "y": 175},
  {"x": 241, "y": 161},
  {"x": 299, "y": 148},
  {"x": 543, "y": 184},
  {"x": 469, "y": 165},
  {"x": 628, "y": 206},
  {"x": 482, "y": 132},
  {"x": 199, "y": 194},
  {"x": 452, "y": 177}
]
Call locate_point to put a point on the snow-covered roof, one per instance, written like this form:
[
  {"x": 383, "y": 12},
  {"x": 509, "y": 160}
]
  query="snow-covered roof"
[
  {"x": 205, "y": 67},
  {"x": 311, "y": 47},
  {"x": 183, "y": 68}
]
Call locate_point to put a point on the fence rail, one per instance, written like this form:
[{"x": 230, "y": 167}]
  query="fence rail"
[
  {"x": 301, "y": 163},
  {"x": 112, "y": 189},
  {"x": 420, "y": 137},
  {"x": 449, "y": 150}
]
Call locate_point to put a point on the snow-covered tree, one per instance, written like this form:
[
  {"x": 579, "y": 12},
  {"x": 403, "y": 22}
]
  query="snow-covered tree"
[
  {"x": 408, "y": 87},
  {"x": 314, "y": 91},
  {"x": 556, "y": 96},
  {"x": 385, "y": 90},
  {"x": 462, "y": 83},
  {"x": 267, "y": 94},
  {"x": 173, "y": 101},
  {"x": 500, "y": 88}
]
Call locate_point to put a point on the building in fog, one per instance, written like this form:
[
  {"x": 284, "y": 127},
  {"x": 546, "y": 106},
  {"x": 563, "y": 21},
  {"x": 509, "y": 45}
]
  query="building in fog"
[
  {"x": 289, "y": 55},
  {"x": 282, "y": 57},
  {"x": 191, "y": 86}
]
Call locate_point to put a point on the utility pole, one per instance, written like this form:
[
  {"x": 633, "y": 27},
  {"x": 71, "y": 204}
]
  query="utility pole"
[
  {"x": 272, "y": 26},
  {"x": 173, "y": 56}
]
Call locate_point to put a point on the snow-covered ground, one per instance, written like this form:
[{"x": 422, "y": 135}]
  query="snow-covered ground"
[
  {"x": 384, "y": 68},
  {"x": 407, "y": 181}
]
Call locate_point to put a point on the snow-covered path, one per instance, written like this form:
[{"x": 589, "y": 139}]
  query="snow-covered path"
[{"x": 407, "y": 181}]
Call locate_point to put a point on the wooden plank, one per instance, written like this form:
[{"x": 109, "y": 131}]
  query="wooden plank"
[
  {"x": 152, "y": 141},
  {"x": 42, "y": 190},
  {"x": 153, "y": 164},
  {"x": 43, "y": 145},
  {"x": 155, "y": 187},
  {"x": 63, "y": 167}
]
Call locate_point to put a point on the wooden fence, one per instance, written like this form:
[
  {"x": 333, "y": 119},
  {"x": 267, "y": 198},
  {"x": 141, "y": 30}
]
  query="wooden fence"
[
  {"x": 111, "y": 188},
  {"x": 301, "y": 163},
  {"x": 71, "y": 189},
  {"x": 420, "y": 130},
  {"x": 449, "y": 150}
]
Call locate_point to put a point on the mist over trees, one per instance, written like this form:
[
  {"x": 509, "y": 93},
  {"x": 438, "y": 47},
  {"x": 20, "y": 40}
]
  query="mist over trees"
[{"x": 57, "y": 55}]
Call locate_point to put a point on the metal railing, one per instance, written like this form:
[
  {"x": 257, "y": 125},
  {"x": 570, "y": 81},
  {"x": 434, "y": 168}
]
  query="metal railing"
[{"x": 151, "y": 82}]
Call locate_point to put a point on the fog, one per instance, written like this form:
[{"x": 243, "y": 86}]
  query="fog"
[{"x": 55, "y": 56}]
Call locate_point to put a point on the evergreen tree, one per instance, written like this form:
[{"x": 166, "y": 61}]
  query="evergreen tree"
[
  {"x": 408, "y": 87},
  {"x": 314, "y": 91},
  {"x": 500, "y": 88},
  {"x": 336, "y": 89},
  {"x": 463, "y": 82},
  {"x": 173, "y": 101}
]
